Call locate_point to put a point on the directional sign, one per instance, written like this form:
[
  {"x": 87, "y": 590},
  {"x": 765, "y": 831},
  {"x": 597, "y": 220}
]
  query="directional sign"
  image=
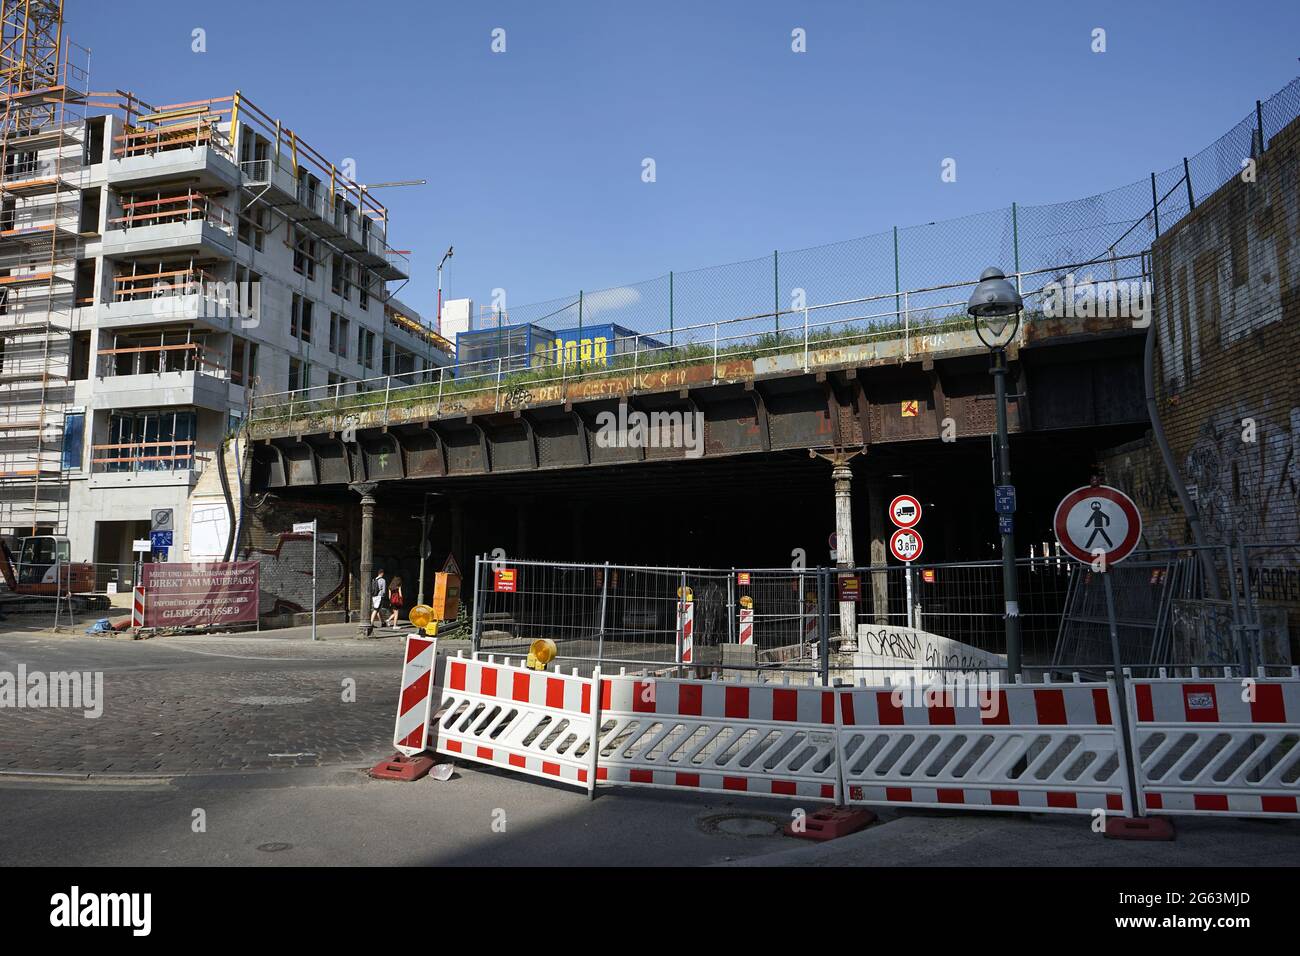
[
  {"x": 906, "y": 544},
  {"x": 141, "y": 544},
  {"x": 1097, "y": 521},
  {"x": 328, "y": 537},
  {"x": 304, "y": 527},
  {"x": 905, "y": 511},
  {"x": 1004, "y": 499}
]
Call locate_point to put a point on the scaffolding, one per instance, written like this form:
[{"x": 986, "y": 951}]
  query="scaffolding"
[{"x": 42, "y": 167}]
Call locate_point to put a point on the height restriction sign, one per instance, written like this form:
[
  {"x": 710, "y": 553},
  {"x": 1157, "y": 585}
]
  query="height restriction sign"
[
  {"x": 1097, "y": 522},
  {"x": 906, "y": 545}
]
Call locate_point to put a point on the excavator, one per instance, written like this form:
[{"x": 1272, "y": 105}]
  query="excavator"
[{"x": 43, "y": 570}]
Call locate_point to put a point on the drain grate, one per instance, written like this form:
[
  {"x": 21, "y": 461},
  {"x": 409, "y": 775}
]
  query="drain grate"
[{"x": 739, "y": 824}]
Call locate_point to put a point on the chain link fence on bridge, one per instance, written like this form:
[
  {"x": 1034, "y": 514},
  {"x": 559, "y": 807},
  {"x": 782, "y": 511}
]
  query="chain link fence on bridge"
[{"x": 1096, "y": 231}]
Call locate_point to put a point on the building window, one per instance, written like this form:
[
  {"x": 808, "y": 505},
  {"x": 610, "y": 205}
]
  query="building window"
[
  {"x": 299, "y": 375},
  {"x": 300, "y": 318},
  {"x": 237, "y": 359},
  {"x": 366, "y": 348}
]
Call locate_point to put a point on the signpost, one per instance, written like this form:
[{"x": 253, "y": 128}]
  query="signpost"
[
  {"x": 1098, "y": 525},
  {"x": 906, "y": 543},
  {"x": 309, "y": 527}
]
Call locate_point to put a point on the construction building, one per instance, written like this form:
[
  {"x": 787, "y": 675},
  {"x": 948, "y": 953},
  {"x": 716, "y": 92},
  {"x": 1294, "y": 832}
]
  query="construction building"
[{"x": 158, "y": 266}]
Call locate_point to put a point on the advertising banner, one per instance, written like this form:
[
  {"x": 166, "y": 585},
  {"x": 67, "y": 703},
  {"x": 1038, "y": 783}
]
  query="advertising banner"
[{"x": 200, "y": 595}]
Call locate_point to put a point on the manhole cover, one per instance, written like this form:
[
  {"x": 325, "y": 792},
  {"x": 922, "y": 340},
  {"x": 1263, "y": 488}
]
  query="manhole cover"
[
  {"x": 274, "y": 847},
  {"x": 270, "y": 701},
  {"x": 741, "y": 824}
]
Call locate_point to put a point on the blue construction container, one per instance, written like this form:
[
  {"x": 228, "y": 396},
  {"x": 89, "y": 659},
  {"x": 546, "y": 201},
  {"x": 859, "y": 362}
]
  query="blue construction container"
[{"x": 532, "y": 346}]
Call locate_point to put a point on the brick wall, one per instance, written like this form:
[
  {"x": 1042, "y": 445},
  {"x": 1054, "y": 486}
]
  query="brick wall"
[{"x": 1227, "y": 314}]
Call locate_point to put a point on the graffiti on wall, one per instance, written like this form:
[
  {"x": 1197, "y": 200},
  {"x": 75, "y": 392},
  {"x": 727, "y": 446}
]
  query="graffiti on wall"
[
  {"x": 1246, "y": 490},
  {"x": 286, "y": 583}
]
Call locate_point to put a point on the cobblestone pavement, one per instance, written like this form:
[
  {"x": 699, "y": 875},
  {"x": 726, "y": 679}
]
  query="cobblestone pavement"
[{"x": 196, "y": 704}]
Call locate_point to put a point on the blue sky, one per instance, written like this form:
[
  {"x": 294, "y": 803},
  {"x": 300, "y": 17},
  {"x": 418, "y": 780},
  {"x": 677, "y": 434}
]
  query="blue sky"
[{"x": 534, "y": 156}]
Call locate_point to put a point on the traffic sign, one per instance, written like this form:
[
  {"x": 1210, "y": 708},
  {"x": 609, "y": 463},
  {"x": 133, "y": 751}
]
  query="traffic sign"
[
  {"x": 328, "y": 537},
  {"x": 160, "y": 519},
  {"x": 1097, "y": 521},
  {"x": 160, "y": 540},
  {"x": 304, "y": 527},
  {"x": 1004, "y": 499},
  {"x": 905, "y": 511},
  {"x": 141, "y": 544},
  {"x": 1006, "y": 524},
  {"x": 906, "y": 544}
]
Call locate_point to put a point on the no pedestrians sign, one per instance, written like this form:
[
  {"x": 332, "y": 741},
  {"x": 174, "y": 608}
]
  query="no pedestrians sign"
[{"x": 1097, "y": 522}]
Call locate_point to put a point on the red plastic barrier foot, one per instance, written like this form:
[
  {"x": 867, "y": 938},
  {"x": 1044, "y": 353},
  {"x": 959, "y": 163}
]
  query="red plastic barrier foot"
[
  {"x": 402, "y": 767},
  {"x": 831, "y": 823},
  {"x": 1139, "y": 828}
]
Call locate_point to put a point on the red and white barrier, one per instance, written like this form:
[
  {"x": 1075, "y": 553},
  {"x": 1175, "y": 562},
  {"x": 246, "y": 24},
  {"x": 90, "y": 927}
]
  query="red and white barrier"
[
  {"x": 717, "y": 736},
  {"x": 137, "y": 606},
  {"x": 1217, "y": 746},
  {"x": 411, "y": 730},
  {"x": 746, "y": 625},
  {"x": 1050, "y": 748},
  {"x": 505, "y": 714},
  {"x": 686, "y": 631}
]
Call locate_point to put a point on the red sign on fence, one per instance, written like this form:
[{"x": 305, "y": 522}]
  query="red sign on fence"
[
  {"x": 200, "y": 595},
  {"x": 504, "y": 580}
]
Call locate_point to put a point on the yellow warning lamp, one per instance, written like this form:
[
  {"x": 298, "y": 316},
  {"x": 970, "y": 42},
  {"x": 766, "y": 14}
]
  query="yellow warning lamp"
[
  {"x": 690, "y": 595},
  {"x": 540, "y": 653},
  {"x": 421, "y": 616},
  {"x": 746, "y": 601}
]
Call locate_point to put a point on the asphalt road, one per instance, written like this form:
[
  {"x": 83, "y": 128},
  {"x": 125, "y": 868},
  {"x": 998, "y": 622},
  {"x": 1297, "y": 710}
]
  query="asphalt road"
[{"x": 243, "y": 751}]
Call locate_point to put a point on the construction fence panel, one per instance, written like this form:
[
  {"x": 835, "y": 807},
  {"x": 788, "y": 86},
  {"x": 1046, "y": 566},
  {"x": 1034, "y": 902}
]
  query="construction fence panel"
[
  {"x": 1217, "y": 746},
  {"x": 719, "y": 737},
  {"x": 503, "y": 714},
  {"x": 1054, "y": 748}
]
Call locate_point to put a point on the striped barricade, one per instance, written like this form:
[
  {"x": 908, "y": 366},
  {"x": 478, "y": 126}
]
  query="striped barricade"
[
  {"x": 1041, "y": 747},
  {"x": 505, "y": 714},
  {"x": 1225, "y": 746},
  {"x": 411, "y": 729},
  {"x": 717, "y": 736}
]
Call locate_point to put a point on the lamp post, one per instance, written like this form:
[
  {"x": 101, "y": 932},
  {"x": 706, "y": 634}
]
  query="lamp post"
[
  {"x": 995, "y": 306},
  {"x": 424, "y": 542},
  {"x": 447, "y": 255}
]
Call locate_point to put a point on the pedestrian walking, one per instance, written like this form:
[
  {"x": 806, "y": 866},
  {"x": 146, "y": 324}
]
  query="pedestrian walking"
[
  {"x": 378, "y": 598},
  {"x": 396, "y": 601}
]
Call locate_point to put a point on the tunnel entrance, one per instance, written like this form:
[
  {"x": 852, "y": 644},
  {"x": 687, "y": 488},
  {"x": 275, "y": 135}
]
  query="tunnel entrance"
[{"x": 746, "y": 510}]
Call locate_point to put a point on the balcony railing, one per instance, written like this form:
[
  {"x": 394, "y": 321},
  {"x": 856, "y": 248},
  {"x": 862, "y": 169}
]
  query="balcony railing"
[
  {"x": 149, "y": 456},
  {"x": 157, "y": 359},
  {"x": 188, "y": 129},
  {"x": 188, "y": 206}
]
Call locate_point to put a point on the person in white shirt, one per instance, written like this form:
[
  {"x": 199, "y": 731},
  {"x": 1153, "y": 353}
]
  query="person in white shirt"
[{"x": 378, "y": 598}]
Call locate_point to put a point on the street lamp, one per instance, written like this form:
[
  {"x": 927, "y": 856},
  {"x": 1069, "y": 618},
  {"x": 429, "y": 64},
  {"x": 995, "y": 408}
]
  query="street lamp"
[
  {"x": 995, "y": 306},
  {"x": 446, "y": 256}
]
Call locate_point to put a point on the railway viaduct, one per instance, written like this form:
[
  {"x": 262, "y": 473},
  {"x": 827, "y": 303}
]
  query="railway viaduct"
[{"x": 521, "y": 468}]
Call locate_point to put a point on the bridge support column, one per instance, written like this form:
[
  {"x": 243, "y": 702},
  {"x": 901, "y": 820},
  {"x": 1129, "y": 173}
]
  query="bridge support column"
[
  {"x": 842, "y": 475},
  {"x": 367, "y": 571},
  {"x": 879, "y": 543}
]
